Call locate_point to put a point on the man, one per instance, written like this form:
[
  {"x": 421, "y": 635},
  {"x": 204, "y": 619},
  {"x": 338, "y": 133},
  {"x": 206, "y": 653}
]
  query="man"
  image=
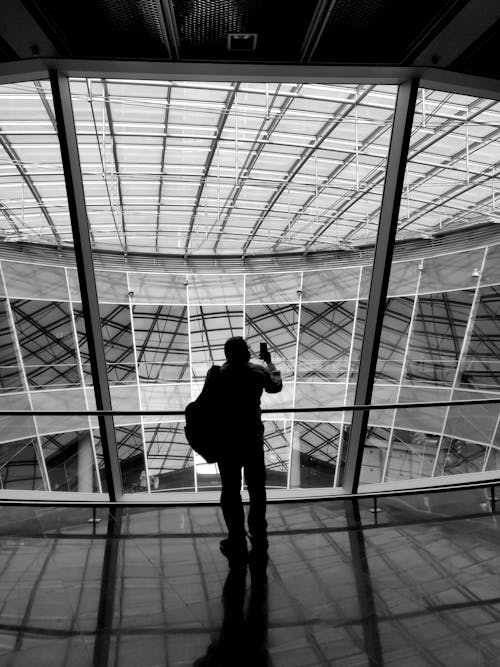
[{"x": 239, "y": 386}]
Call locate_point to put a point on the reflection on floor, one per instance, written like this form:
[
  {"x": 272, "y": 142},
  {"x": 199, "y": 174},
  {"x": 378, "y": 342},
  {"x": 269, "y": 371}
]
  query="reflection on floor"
[{"x": 415, "y": 584}]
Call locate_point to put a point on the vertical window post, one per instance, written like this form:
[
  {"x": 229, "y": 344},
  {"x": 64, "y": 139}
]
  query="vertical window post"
[
  {"x": 83, "y": 252},
  {"x": 389, "y": 212}
]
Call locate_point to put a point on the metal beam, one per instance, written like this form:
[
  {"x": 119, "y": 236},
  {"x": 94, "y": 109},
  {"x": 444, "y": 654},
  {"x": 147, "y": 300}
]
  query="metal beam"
[
  {"x": 396, "y": 165},
  {"x": 459, "y": 34},
  {"x": 83, "y": 253},
  {"x": 168, "y": 27},
  {"x": 316, "y": 28}
]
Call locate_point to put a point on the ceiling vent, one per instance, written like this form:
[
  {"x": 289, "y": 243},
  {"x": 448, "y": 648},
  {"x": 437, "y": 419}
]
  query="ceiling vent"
[{"x": 241, "y": 41}]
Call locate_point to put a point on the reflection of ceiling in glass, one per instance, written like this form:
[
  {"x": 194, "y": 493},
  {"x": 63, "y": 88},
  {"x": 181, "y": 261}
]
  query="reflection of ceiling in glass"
[{"x": 241, "y": 168}]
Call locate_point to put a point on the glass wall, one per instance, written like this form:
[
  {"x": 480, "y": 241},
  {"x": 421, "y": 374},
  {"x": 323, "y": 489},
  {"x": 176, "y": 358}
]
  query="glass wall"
[
  {"x": 230, "y": 172},
  {"x": 42, "y": 339},
  {"x": 436, "y": 346}
]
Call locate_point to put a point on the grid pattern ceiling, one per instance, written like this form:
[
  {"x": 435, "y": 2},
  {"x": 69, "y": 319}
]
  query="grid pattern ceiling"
[{"x": 241, "y": 168}]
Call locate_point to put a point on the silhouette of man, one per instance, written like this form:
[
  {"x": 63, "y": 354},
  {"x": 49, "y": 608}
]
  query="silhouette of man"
[{"x": 239, "y": 387}]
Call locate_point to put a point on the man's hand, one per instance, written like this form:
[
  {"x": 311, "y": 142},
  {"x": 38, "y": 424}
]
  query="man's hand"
[{"x": 265, "y": 355}]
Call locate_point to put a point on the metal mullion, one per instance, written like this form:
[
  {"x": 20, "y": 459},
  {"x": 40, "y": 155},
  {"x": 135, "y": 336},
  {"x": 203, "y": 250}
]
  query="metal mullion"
[
  {"x": 136, "y": 364},
  {"x": 294, "y": 390},
  {"x": 402, "y": 374},
  {"x": 109, "y": 118},
  {"x": 162, "y": 162},
  {"x": 463, "y": 351},
  {"x": 190, "y": 349},
  {"x": 83, "y": 252},
  {"x": 82, "y": 380},
  {"x": 396, "y": 164},
  {"x": 490, "y": 447},
  {"x": 341, "y": 444},
  {"x": 208, "y": 162},
  {"x": 24, "y": 378},
  {"x": 103, "y": 166}
]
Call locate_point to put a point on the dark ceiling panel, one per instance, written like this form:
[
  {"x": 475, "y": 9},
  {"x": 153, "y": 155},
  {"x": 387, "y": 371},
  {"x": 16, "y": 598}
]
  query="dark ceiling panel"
[
  {"x": 103, "y": 28},
  {"x": 482, "y": 57},
  {"x": 6, "y": 53},
  {"x": 379, "y": 31},
  {"x": 280, "y": 25}
]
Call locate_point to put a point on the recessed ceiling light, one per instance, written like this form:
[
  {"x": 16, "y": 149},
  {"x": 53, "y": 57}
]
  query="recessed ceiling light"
[{"x": 241, "y": 41}]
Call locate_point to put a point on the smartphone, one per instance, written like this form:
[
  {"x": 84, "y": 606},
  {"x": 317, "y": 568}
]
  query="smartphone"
[{"x": 263, "y": 349}]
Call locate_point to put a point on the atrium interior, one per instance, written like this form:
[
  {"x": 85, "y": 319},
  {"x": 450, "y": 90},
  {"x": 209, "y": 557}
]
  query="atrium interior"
[{"x": 209, "y": 179}]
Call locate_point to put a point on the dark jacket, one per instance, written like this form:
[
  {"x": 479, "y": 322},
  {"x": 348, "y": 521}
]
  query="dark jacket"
[{"x": 237, "y": 390}]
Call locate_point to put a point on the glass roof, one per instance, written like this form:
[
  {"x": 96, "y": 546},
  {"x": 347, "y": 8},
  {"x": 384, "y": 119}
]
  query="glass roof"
[{"x": 241, "y": 168}]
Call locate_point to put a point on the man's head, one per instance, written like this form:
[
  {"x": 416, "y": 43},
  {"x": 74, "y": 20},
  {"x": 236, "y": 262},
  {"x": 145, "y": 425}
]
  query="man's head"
[{"x": 236, "y": 350}]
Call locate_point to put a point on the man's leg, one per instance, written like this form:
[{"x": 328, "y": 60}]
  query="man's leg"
[
  {"x": 255, "y": 477},
  {"x": 230, "y": 500}
]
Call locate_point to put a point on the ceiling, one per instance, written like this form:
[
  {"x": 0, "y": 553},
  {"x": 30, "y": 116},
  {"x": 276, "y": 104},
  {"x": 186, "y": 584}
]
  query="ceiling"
[
  {"x": 228, "y": 167},
  {"x": 453, "y": 34}
]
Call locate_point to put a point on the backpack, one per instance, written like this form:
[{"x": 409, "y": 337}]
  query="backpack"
[{"x": 202, "y": 427}]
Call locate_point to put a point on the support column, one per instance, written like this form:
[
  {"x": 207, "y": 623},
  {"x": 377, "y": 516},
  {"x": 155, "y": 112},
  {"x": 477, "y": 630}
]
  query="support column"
[
  {"x": 391, "y": 198},
  {"x": 83, "y": 252}
]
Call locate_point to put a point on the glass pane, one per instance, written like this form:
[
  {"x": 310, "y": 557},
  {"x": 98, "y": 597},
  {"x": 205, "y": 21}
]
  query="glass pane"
[
  {"x": 451, "y": 158},
  {"x": 118, "y": 348},
  {"x": 393, "y": 338},
  {"x": 480, "y": 368},
  {"x": 112, "y": 286},
  {"x": 315, "y": 454},
  {"x": 161, "y": 339},
  {"x": 46, "y": 338},
  {"x": 218, "y": 288},
  {"x": 170, "y": 458},
  {"x": 472, "y": 422},
  {"x": 412, "y": 455},
  {"x": 19, "y": 467},
  {"x": 332, "y": 285},
  {"x": 276, "y": 453},
  {"x": 437, "y": 337},
  {"x": 23, "y": 282},
  {"x": 450, "y": 272},
  {"x": 164, "y": 397},
  {"x": 320, "y": 395},
  {"x": 67, "y": 400},
  {"x": 491, "y": 270},
  {"x": 131, "y": 454},
  {"x": 158, "y": 288},
  {"x": 10, "y": 373},
  {"x": 69, "y": 458},
  {"x": 374, "y": 454},
  {"x": 211, "y": 326},
  {"x": 332, "y": 138},
  {"x": 276, "y": 326},
  {"x": 430, "y": 419},
  {"x": 458, "y": 456},
  {"x": 325, "y": 341},
  {"x": 14, "y": 427},
  {"x": 272, "y": 288}
]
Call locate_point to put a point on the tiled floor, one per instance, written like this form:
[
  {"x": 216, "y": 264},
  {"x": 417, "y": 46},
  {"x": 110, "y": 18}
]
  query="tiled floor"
[{"x": 415, "y": 584}]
